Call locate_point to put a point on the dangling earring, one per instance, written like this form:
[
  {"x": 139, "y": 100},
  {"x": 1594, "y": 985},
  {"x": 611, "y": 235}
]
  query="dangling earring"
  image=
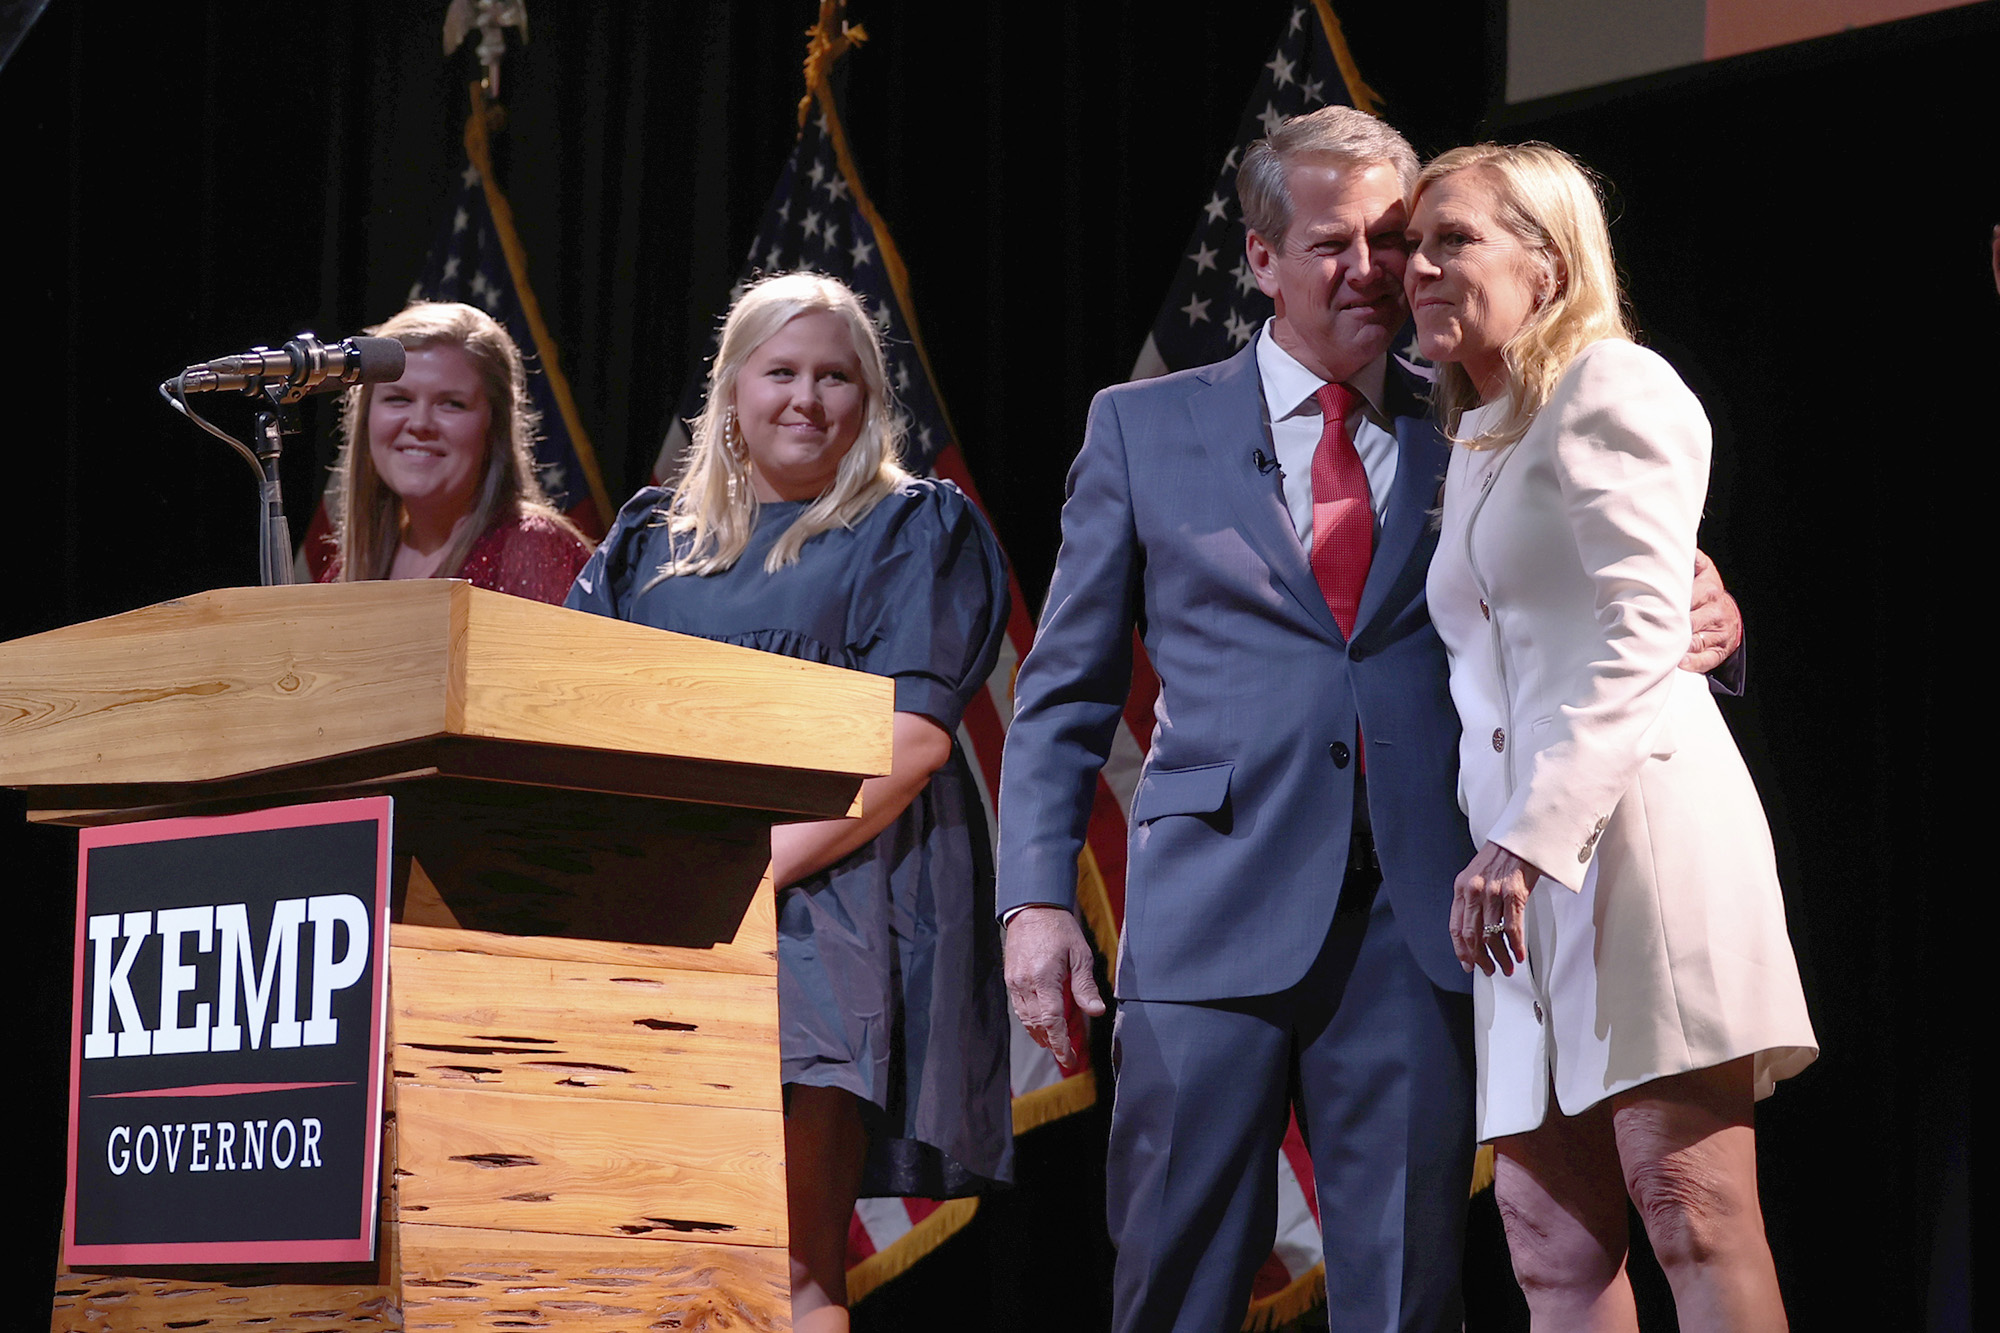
[{"x": 732, "y": 438}]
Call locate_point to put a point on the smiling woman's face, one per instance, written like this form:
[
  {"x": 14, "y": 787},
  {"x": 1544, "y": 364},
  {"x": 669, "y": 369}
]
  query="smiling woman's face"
[
  {"x": 800, "y": 401},
  {"x": 1471, "y": 282},
  {"x": 427, "y": 432}
]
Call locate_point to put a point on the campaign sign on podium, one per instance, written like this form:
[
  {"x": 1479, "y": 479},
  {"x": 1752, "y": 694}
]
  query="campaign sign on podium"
[{"x": 226, "y": 1040}]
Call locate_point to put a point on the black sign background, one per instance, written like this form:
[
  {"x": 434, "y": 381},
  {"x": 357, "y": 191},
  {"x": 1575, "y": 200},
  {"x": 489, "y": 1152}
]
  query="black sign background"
[{"x": 327, "y": 1202}]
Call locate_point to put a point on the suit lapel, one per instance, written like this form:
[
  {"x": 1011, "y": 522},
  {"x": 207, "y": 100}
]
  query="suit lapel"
[
  {"x": 1406, "y": 524},
  {"x": 1228, "y": 419}
]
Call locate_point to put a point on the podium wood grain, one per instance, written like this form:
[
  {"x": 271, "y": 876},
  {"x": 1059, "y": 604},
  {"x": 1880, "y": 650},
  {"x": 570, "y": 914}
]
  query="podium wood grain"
[
  {"x": 464, "y": 1278},
  {"x": 584, "y": 1030},
  {"x": 241, "y": 680},
  {"x": 584, "y": 1124}
]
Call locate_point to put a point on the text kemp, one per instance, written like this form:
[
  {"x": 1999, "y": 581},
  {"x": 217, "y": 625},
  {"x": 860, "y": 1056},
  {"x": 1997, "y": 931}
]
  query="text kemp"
[{"x": 259, "y": 977}]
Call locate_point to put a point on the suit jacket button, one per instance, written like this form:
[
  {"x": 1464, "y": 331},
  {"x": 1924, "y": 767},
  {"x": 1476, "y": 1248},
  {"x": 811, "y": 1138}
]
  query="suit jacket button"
[
  {"x": 1499, "y": 740},
  {"x": 1484, "y": 609},
  {"x": 1339, "y": 752},
  {"x": 1538, "y": 1011},
  {"x": 1354, "y": 653},
  {"x": 1583, "y": 853}
]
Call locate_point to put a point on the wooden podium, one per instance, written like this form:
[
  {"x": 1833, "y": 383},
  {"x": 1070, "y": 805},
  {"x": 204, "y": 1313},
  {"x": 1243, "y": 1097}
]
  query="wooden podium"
[{"x": 583, "y": 1123}]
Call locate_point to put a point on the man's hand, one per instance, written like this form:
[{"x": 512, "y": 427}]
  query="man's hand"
[
  {"x": 1718, "y": 624},
  {"x": 1049, "y": 976}
]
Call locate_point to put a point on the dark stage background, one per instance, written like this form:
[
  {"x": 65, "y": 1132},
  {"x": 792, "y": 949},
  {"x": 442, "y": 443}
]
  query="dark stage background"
[{"x": 1805, "y": 234}]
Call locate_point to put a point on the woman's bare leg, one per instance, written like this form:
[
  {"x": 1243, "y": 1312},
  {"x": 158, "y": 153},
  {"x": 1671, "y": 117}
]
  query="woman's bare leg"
[
  {"x": 825, "y": 1150},
  {"x": 1689, "y": 1154},
  {"x": 1562, "y": 1200}
]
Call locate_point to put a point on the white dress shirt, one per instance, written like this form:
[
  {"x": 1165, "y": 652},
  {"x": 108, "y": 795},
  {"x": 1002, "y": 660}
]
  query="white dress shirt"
[{"x": 1295, "y": 422}]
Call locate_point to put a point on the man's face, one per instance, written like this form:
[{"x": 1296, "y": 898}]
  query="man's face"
[{"x": 1337, "y": 278}]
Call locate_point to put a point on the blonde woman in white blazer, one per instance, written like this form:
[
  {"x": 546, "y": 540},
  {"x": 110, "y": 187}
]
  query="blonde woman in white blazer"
[{"x": 1637, "y": 990}]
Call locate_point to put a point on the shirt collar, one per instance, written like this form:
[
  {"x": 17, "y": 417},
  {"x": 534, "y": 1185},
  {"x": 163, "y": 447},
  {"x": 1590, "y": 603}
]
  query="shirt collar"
[{"x": 1289, "y": 386}]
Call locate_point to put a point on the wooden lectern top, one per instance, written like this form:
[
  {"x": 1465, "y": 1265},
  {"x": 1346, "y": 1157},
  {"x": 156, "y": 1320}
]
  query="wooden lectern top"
[{"x": 314, "y": 685}]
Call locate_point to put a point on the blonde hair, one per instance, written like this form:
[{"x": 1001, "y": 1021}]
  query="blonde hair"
[
  {"x": 1549, "y": 202},
  {"x": 713, "y": 505},
  {"x": 368, "y": 516}
]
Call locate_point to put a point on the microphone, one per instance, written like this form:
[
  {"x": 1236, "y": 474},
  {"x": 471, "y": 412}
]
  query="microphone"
[
  {"x": 1266, "y": 463},
  {"x": 304, "y": 365}
]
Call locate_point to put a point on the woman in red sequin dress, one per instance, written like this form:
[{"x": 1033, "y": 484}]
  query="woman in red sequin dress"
[{"x": 436, "y": 478}]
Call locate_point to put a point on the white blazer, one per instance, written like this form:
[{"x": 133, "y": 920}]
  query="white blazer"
[{"x": 1561, "y": 586}]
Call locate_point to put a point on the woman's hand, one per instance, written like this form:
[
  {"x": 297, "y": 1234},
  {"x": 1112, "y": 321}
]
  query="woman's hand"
[
  {"x": 1489, "y": 909},
  {"x": 798, "y": 850}
]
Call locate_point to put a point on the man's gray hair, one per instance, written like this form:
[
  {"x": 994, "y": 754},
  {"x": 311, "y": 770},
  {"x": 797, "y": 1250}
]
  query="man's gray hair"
[{"x": 1350, "y": 137}]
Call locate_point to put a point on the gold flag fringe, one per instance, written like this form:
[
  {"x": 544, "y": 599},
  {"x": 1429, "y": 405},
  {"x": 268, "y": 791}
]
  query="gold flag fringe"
[
  {"x": 1065, "y": 1096},
  {"x": 1304, "y": 1294},
  {"x": 479, "y": 150},
  {"x": 1365, "y": 98},
  {"x": 949, "y": 1219}
]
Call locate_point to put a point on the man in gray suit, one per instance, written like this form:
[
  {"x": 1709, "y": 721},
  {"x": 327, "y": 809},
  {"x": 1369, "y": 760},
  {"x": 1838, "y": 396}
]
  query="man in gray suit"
[{"x": 1263, "y": 523}]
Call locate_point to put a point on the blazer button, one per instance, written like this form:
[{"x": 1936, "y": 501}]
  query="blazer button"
[
  {"x": 1538, "y": 1011},
  {"x": 1499, "y": 741},
  {"x": 1354, "y": 653},
  {"x": 1484, "y": 609},
  {"x": 1340, "y": 753}
]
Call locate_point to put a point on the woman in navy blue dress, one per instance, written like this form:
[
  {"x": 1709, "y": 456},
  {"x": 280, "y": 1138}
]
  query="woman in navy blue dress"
[{"x": 792, "y": 529}]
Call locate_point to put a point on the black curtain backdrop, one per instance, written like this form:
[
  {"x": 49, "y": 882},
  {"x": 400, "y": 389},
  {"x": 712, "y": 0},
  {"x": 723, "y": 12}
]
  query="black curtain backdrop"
[{"x": 1805, "y": 234}]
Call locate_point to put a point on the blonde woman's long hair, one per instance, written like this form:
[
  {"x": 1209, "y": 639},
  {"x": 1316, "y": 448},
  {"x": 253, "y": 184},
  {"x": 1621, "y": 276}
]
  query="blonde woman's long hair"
[
  {"x": 1549, "y": 203},
  {"x": 714, "y": 507},
  {"x": 368, "y": 516}
]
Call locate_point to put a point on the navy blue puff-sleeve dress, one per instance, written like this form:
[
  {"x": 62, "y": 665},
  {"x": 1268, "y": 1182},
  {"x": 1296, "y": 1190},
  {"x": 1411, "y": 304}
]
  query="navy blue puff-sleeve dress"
[{"x": 889, "y": 980}]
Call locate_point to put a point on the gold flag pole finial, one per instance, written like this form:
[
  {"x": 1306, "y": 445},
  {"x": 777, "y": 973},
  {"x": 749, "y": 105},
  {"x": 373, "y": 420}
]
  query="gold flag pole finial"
[
  {"x": 826, "y": 41},
  {"x": 490, "y": 19}
]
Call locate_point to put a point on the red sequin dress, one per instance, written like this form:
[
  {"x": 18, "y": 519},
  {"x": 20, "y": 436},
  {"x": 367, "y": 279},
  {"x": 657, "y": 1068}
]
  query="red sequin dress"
[{"x": 531, "y": 556}]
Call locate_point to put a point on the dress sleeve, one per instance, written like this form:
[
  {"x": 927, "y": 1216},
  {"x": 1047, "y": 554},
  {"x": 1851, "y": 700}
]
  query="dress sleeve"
[
  {"x": 1631, "y": 458},
  {"x": 932, "y": 612},
  {"x": 605, "y": 584},
  {"x": 538, "y": 559}
]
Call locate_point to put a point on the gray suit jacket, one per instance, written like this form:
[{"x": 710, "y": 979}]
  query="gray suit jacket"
[{"x": 1241, "y": 822}]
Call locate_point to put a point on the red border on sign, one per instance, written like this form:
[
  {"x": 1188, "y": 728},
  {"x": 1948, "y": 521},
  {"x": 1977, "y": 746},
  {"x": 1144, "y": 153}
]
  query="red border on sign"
[{"x": 360, "y": 1247}]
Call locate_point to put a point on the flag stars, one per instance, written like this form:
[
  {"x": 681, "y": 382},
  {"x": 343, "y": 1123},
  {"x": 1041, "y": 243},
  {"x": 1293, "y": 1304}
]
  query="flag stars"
[
  {"x": 772, "y": 256},
  {"x": 1217, "y": 208},
  {"x": 1204, "y": 258},
  {"x": 1281, "y": 69},
  {"x": 811, "y": 223},
  {"x": 469, "y": 177},
  {"x": 1196, "y": 310},
  {"x": 827, "y": 239},
  {"x": 450, "y": 268},
  {"x": 1245, "y": 279},
  {"x": 862, "y": 252},
  {"x": 818, "y": 173},
  {"x": 460, "y": 221},
  {"x": 1315, "y": 91},
  {"x": 836, "y": 187},
  {"x": 1298, "y": 17},
  {"x": 1271, "y": 118},
  {"x": 1240, "y": 330}
]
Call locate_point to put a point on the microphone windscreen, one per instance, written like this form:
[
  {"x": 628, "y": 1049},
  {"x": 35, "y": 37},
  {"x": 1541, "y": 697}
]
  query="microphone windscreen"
[{"x": 381, "y": 359}]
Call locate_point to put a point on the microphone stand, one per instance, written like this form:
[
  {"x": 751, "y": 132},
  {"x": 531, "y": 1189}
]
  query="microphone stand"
[{"x": 274, "y": 533}]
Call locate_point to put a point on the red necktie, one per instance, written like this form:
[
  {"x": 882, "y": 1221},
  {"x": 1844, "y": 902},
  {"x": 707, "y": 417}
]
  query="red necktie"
[{"x": 1343, "y": 536}]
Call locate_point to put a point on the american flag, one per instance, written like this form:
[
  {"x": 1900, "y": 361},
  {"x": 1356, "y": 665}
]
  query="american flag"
[
  {"x": 820, "y": 218},
  {"x": 478, "y": 260},
  {"x": 1212, "y": 310}
]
